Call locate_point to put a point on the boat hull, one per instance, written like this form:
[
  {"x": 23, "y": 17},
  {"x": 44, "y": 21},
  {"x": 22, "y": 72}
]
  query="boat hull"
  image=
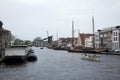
[
  {"x": 14, "y": 59},
  {"x": 78, "y": 51},
  {"x": 91, "y": 58},
  {"x": 31, "y": 57}
]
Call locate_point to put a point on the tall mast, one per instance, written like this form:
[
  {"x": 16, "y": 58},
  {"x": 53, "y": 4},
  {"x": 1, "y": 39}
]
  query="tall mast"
[
  {"x": 93, "y": 24},
  {"x": 57, "y": 38},
  {"x": 72, "y": 32},
  {"x": 93, "y": 31}
]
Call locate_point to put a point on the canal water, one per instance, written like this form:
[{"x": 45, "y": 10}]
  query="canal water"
[{"x": 62, "y": 65}]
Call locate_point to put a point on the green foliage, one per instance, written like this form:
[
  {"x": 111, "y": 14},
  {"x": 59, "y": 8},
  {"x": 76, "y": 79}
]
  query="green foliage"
[
  {"x": 28, "y": 42},
  {"x": 18, "y": 42}
]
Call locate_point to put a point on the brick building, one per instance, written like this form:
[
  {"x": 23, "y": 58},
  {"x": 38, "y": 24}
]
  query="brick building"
[
  {"x": 81, "y": 40},
  {"x": 5, "y": 39},
  {"x": 66, "y": 42}
]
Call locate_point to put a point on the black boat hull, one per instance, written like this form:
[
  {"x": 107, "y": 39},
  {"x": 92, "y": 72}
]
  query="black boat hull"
[{"x": 14, "y": 59}]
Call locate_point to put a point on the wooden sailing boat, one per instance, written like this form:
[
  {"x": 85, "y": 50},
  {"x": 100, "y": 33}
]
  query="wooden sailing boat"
[{"x": 72, "y": 49}]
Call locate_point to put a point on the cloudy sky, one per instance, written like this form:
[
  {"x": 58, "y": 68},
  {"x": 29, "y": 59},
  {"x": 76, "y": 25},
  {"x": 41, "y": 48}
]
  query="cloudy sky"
[{"x": 27, "y": 19}]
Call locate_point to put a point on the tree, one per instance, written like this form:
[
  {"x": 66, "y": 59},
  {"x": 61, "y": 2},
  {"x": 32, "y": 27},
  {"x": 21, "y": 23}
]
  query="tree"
[
  {"x": 18, "y": 42},
  {"x": 27, "y": 42},
  {"x": 13, "y": 38},
  {"x": 37, "y": 41}
]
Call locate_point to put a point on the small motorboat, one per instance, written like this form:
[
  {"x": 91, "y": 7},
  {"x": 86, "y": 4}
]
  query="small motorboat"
[
  {"x": 31, "y": 57},
  {"x": 91, "y": 58},
  {"x": 31, "y": 51},
  {"x": 41, "y": 48}
]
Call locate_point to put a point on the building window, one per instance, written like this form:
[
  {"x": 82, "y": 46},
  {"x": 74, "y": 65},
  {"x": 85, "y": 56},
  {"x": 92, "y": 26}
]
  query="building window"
[
  {"x": 114, "y": 33},
  {"x": 105, "y": 35},
  {"x": 116, "y": 39},
  {"x": 97, "y": 36},
  {"x": 101, "y": 35}
]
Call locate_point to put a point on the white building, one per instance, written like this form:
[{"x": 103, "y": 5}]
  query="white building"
[
  {"x": 116, "y": 38},
  {"x": 97, "y": 39},
  {"x": 89, "y": 42},
  {"x": 108, "y": 38}
]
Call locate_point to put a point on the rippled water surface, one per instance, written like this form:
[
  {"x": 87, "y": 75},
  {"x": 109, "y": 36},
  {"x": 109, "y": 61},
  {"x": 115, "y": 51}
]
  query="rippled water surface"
[{"x": 61, "y": 65}]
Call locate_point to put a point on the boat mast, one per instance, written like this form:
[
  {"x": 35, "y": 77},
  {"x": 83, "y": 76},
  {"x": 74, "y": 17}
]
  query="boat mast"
[
  {"x": 72, "y": 33},
  {"x": 93, "y": 23},
  {"x": 57, "y": 38},
  {"x": 93, "y": 31},
  {"x": 47, "y": 38}
]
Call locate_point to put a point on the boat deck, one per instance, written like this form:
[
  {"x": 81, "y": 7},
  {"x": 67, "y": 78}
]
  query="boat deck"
[{"x": 15, "y": 52}]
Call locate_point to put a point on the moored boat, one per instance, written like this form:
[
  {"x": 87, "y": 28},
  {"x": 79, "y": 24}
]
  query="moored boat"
[
  {"x": 31, "y": 57},
  {"x": 75, "y": 50},
  {"x": 14, "y": 59},
  {"x": 16, "y": 54},
  {"x": 41, "y": 48}
]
